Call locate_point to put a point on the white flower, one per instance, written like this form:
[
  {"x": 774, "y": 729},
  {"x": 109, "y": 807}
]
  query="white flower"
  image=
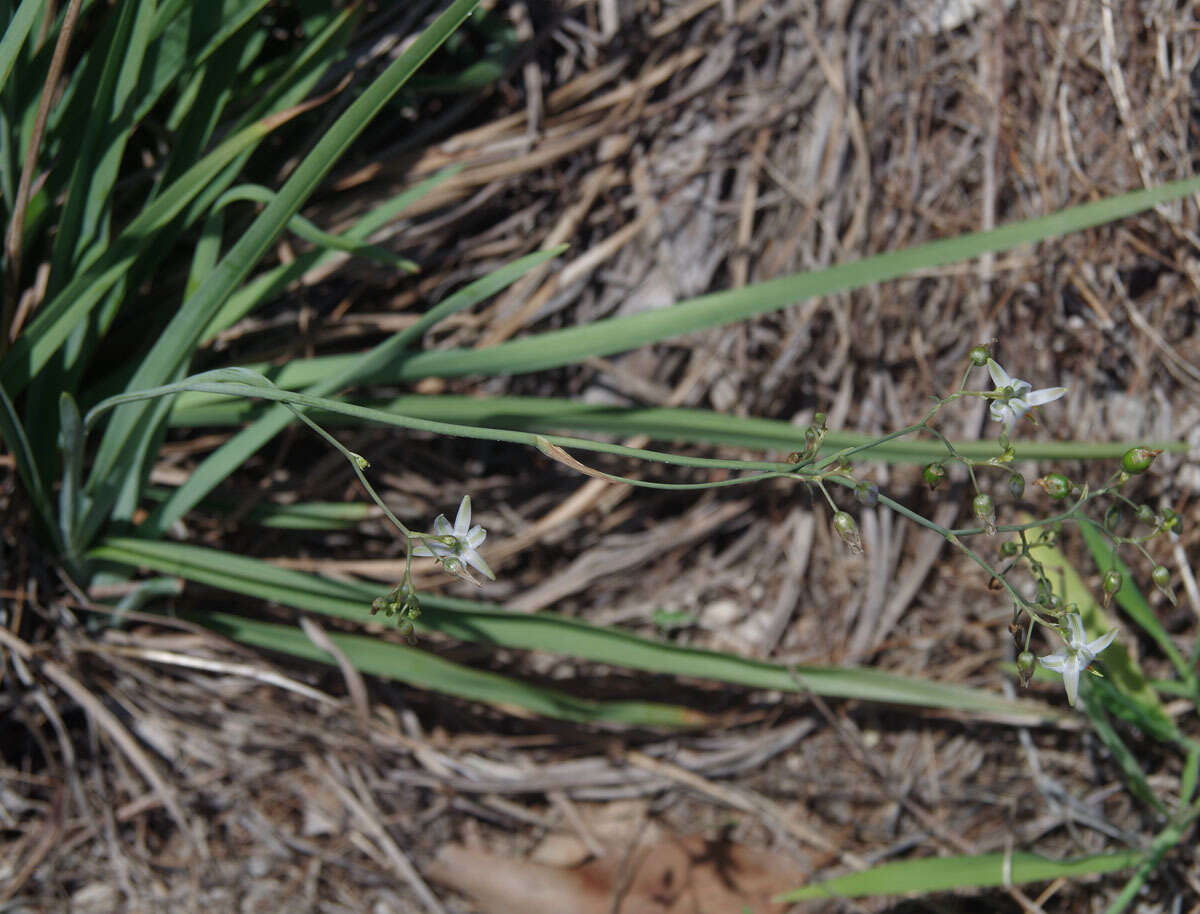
[
  {"x": 1075, "y": 657},
  {"x": 458, "y": 544},
  {"x": 1017, "y": 397}
]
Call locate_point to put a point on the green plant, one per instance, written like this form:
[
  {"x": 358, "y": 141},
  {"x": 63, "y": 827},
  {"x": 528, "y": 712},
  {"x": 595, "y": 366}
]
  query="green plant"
[{"x": 89, "y": 349}]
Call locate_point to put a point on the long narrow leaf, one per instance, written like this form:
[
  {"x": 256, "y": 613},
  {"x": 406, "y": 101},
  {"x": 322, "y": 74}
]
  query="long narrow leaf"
[
  {"x": 662, "y": 423},
  {"x": 492, "y": 624},
  {"x": 573, "y": 344},
  {"x": 15, "y": 34},
  {"x": 428, "y": 671},
  {"x": 218, "y": 465},
  {"x": 17, "y": 442},
  {"x": 270, "y": 282},
  {"x": 58, "y": 317},
  {"x": 938, "y": 874},
  {"x": 177, "y": 342}
]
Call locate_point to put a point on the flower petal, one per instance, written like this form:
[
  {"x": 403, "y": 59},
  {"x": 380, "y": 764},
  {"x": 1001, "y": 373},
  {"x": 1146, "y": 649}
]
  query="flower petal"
[
  {"x": 1042, "y": 397},
  {"x": 462, "y": 521},
  {"x": 474, "y": 559},
  {"x": 1095, "y": 647},
  {"x": 1058, "y": 661},
  {"x": 1078, "y": 637},
  {"x": 475, "y": 536},
  {"x": 999, "y": 376},
  {"x": 442, "y": 527},
  {"x": 1071, "y": 683}
]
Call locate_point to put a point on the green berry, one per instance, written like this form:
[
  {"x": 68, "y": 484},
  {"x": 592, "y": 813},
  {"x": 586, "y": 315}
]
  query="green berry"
[
  {"x": 1025, "y": 664},
  {"x": 1161, "y": 575},
  {"x": 1056, "y": 485},
  {"x": 979, "y": 356},
  {"x": 1112, "y": 582},
  {"x": 934, "y": 474},
  {"x": 1016, "y": 485},
  {"x": 1009, "y": 548},
  {"x": 847, "y": 529},
  {"x": 1138, "y": 459}
]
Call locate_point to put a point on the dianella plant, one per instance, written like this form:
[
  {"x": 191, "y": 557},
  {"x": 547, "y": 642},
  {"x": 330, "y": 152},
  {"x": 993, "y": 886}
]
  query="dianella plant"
[{"x": 143, "y": 191}]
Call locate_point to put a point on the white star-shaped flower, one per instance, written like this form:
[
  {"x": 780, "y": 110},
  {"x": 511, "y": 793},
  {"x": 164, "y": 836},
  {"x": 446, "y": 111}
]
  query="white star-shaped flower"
[
  {"x": 1076, "y": 656},
  {"x": 1017, "y": 397},
  {"x": 458, "y": 544}
]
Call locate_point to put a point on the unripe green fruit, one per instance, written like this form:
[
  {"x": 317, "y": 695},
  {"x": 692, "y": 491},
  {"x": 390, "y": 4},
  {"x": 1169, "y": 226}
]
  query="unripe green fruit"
[
  {"x": 934, "y": 474},
  {"x": 1145, "y": 514},
  {"x": 1016, "y": 485},
  {"x": 1161, "y": 575},
  {"x": 1056, "y": 485},
  {"x": 1138, "y": 459},
  {"x": 1112, "y": 582},
  {"x": 979, "y": 356},
  {"x": 984, "y": 507},
  {"x": 1009, "y": 548},
  {"x": 1025, "y": 664}
]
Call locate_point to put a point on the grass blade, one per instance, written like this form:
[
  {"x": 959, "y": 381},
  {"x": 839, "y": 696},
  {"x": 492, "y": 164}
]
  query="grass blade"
[
  {"x": 606, "y": 337},
  {"x": 939, "y": 874},
  {"x": 13, "y": 435},
  {"x": 15, "y": 35},
  {"x": 265, "y": 286},
  {"x": 177, "y": 342},
  {"x": 218, "y": 465},
  {"x": 662, "y": 423},
  {"x": 492, "y": 624},
  {"x": 427, "y": 671},
  {"x": 57, "y": 318}
]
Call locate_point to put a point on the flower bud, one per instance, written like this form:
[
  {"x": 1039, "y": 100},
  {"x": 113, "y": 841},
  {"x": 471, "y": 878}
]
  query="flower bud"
[
  {"x": 1138, "y": 459},
  {"x": 1025, "y": 664},
  {"x": 867, "y": 494},
  {"x": 985, "y": 510},
  {"x": 847, "y": 529},
  {"x": 1016, "y": 485},
  {"x": 819, "y": 420},
  {"x": 1170, "y": 521},
  {"x": 1009, "y": 548},
  {"x": 1111, "y": 584},
  {"x": 1056, "y": 485},
  {"x": 979, "y": 356},
  {"x": 934, "y": 474},
  {"x": 1145, "y": 514}
]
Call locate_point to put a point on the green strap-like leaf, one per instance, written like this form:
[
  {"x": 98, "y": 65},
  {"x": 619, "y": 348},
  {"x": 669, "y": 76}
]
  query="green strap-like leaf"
[
  {"x": 491, "y": 624},
  {"x": 939, "y": 874}
]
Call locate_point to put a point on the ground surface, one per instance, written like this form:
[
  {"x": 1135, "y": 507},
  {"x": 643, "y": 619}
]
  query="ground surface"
[{"x": 681, "y": 148}]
